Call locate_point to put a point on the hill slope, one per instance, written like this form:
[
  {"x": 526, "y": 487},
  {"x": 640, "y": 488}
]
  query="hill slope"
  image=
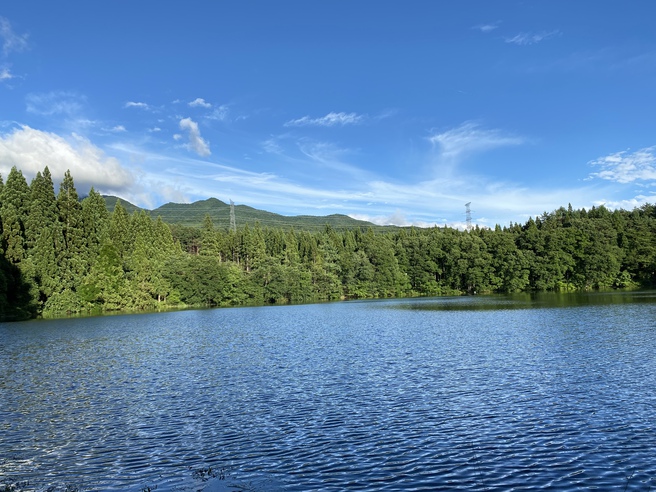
[{"x": 192, "y": 215}]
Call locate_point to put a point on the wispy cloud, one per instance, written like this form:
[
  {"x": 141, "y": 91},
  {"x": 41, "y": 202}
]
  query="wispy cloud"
[
  {"x": 470, "y": 138},
  {"x": 378, "y": 198},
  {"x": 625, "y": 167},
  {"x": 271, "y": 146},
  {"x": 221, "y": 113},
  {"x": 55, "y": 103},
  {"x": 331, "y": 157},
  {"x": 487, "y": 27},
  {"x": 199, "y": 103},
  {"x": 527, "y": 38},
  {"x": 10, "y": 40},
  {"x": 636, "y": 62},
  {"x": 140, "y": 105},
  {"x": 502, "y": 202},
  {"x": 331, "y": 119},
  {"x": 196, "y": 142},
  {"x": 118, "y": 129},
  {"x": 5, "y": 74}
]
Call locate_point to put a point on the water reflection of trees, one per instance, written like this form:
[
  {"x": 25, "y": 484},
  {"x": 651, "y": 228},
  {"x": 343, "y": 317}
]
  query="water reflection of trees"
[{"x": 533, "y": 300}]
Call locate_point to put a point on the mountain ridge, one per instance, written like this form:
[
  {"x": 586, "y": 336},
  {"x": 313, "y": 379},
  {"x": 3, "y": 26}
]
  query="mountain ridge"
[{"x": 193, "y": 214}]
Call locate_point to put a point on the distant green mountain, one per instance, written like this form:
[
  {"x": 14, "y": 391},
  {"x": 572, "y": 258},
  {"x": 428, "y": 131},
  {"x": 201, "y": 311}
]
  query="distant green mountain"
[
  {"x": 110, "y": 202},
  {"x": 192, "y": 215}
]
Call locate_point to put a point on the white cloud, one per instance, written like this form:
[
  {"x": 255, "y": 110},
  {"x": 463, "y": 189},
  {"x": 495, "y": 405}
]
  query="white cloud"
[
  {"x": 624, "y": 167},
  {"x": 140, "y": 105},
  {"x": 487, "y": 27},
  {"x": 31, "y": 150},
  {"x": 627, "y": 204},
  {"x": 55, "y": 103},
  {"x": 5, "y": 74},
  {"x": 331, "y": 119},
  {"x": 10, "y": 40},
  {"x": 220, "y": 113},
  {"x": 155, "y": 129},
  {"x": 469, "y": 138},
  {"x": 199, "y": 103},
  {"x": 118, "y": 129},
  {"x": 527, "y": 38},
  {"x": 398, "y": 218},
  {"x": 272, "y": 146},
  {"x": 196, "y": 142}
]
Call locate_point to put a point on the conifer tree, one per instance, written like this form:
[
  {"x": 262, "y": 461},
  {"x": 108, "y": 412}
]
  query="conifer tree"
[
  {"x": 14, "y": 211},
  {"x": 166, "y": 246},
  {"x": 291, "y": 257},
  {"x": 119, "y": 231},
  {"x": 257, "y": 248},
  {"x": 73, "y": 257},
  {"x": 95, "y": 220},
  {"x": 246, "y": 247},
  {"x": 105, "y": 285},
  {"x": 43, "y": 207},
  {"x": 141, "y": 227},
  {"x": 209, "y": 239},
  {"x": 44, "y": 236},
  {"x": 2, "y": 184},
  {"x": 145, "y": 263}
]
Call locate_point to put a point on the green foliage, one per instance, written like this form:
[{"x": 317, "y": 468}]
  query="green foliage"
[
  {"x": 73, "y": 253},
  {"x": 95, "y": 222},
  {"x": 44, "y": 238},
  {"x": 63, "y": 303},
  {"x": 105, "y": 286},
  {"x": 120, "y": 232},
  {"x": 15, "y": 200},
  {"x": 62, "y": 256},
  {"x": 16, "y": 302},
  {"x": 204, "y": 281}
]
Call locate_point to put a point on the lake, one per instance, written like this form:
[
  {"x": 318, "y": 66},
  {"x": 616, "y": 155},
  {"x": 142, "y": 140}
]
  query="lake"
[{"x": 546, "y": 392}]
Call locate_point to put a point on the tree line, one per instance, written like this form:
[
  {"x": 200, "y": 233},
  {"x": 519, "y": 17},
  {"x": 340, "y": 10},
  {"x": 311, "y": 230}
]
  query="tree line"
[{"x": 62, "y": 255}]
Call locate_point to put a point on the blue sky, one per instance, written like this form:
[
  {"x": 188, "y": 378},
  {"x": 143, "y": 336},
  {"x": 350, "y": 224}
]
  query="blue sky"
[{"x": 394, "y": 112}]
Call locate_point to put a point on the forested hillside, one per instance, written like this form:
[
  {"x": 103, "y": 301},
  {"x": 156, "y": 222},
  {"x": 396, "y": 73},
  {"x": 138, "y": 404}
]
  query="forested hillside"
[
  {"x": 61, "y": 256},
  {"x": 193, "y": 215}
]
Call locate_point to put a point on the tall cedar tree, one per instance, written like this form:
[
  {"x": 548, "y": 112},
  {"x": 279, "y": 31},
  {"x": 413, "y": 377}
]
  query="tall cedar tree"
[
  {"x": 73, "y": 257},
  {"x": 95, "y": 220},
  {"x": 15, "y": 201},
  {"x": 44, "y": 235}
]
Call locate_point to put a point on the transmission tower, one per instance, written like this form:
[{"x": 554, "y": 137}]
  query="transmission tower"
[
  {"x": 233, "y": 222},
  {"x": 468, "y": 216}
]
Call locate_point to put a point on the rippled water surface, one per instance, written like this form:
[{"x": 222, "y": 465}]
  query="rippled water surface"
[{"x": 469, "y": 393}]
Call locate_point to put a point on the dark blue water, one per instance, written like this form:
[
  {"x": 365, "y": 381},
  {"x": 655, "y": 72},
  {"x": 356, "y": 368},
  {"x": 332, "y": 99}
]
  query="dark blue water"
[{"x": 471, "y": 393}]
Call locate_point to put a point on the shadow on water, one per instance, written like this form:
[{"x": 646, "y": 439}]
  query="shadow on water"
[
  {"x": 16, "y": 302},
  {"x": 541, "y": 300},
  {"x": 198, "y": 479}
]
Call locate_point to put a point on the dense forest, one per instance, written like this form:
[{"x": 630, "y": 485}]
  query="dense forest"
[{"x": 63, "y": 256}]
